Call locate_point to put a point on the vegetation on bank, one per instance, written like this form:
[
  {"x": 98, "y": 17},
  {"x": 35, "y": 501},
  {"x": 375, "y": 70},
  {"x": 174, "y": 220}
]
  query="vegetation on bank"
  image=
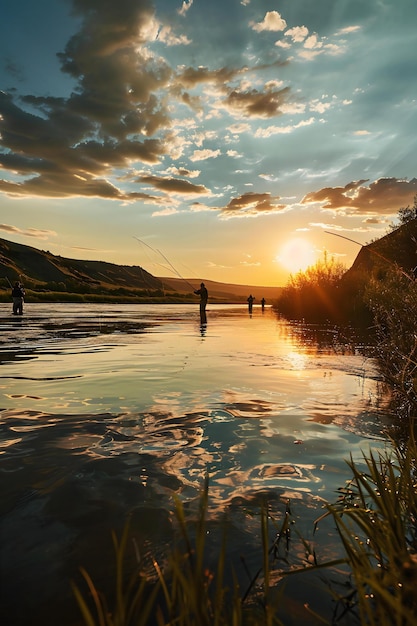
[
  {"x": 82, "y": 293},
  {"x": 117, "y": 296},
  {"x": 328, "y": 292}
]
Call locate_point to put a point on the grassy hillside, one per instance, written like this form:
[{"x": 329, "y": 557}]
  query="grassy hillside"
[
  {"x": 40, "y": 268},
  {"x": 396, "y": 248}
]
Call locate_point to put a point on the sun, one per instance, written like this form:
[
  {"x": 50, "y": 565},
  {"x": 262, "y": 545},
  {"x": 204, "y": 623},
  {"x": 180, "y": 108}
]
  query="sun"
[{"x": 296, "y": 255}]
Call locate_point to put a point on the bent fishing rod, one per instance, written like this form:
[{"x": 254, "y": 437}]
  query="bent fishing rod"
[
  {"x": 167, "y": 260},
  {"x": 397, "y": 267}
]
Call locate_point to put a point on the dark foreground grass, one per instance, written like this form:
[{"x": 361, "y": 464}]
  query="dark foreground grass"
[
  {"x": 376, "y": 519},
  {"x": 183, "y": 590}
]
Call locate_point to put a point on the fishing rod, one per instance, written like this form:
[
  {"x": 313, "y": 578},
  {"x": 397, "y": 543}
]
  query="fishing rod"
[
  {"x": 374, "y": 252},
  {"x": 167, "y": 260},
  {"x": 176, "y": 271},
  {"x": 145, "y": 280}
]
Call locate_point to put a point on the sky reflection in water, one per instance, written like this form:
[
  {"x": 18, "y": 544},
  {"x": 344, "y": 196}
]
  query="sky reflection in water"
[{"x": 113, "y": 410}]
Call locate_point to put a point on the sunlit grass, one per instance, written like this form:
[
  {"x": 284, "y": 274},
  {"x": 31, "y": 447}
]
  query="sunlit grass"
[{"x": 376, "y": 519}]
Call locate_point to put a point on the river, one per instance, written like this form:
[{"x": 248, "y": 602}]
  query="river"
[{"x": 110, "y": 410}]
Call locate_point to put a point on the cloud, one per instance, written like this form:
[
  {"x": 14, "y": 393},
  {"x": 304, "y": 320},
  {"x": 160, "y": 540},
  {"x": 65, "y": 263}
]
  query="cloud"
[
  {"x": 186, "y": 6},
  {"x": 256, "y": 103},
  {"x": 282, "y": 130},
  {"x": 59, "y": 147},
  {"x": 170, "y": 38},
  {"x": 165, "y": 212},
  {"x": 190, "y": 76},
  {"x": 297, "y": 34},
  {"x": 338, "y": 227},
  {"x": 271, "y": 22},
  {"x": 348, "y": 30},
  {"x": 250, "y": 204},
  {"x": 174, "y": 185},
  {"x": 183, "y": 171},
  {"x": 385, "y": 196},
  {"x": 239, "y": 128},
  {"x": 249, "y": 263},
  {"x": 120, "y": 110},
  {"x": 37, "y": 233},
  {"x": 203, "y": 155}
]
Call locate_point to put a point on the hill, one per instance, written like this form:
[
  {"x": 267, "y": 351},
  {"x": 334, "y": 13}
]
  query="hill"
[
  {"x": 396, "y": 249},
  {"x": 50, "y": 277},
  {"x": 223, "y": 290},
  {"x": 41, "y": 269}
]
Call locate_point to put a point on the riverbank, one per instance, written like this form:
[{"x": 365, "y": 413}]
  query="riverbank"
[{"x": 116, "y": 298}]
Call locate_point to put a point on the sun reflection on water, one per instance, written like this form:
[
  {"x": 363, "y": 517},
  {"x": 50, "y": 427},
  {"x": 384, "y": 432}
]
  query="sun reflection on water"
[{"x": 297, "y": 360}]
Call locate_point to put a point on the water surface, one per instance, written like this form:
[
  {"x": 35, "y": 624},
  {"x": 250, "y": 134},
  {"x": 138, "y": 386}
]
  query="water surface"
[{"x": 114, "y": 410}]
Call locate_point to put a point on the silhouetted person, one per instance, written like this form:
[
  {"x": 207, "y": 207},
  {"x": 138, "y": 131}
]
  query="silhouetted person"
[
  {"x": 263, "y": 303},
  {"x": 203, "y": 293},
  {"x": 18, "y": 294},
  {"x": 250, "y": 302}
]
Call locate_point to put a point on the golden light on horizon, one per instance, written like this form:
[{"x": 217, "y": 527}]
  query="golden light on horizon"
[{"x": 296, "y": 255}]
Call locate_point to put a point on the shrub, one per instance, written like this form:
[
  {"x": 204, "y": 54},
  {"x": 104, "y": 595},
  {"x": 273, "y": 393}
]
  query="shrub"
[{"x": 313, "y": 295}]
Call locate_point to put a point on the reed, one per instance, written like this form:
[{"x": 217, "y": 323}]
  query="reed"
[
  {"x": 185, "y": 590},
  {"x": 376, "y": 519}
]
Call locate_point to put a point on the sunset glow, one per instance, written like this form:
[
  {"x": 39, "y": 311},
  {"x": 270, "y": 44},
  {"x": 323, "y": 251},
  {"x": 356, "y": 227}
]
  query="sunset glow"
[{"x": 297, "y": 254}]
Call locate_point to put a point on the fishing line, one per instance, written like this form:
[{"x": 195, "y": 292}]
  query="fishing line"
[
  {"x": 397, "y": 267},
  {"x": 176, "y": 271},
  {"x": 167, "y": 260},
  {"x": 186, "y": 358},
  {"x": 153, "y": 262}
]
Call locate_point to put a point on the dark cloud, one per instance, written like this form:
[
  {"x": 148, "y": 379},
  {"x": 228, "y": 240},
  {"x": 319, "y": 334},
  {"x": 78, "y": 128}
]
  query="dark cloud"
[
  {"x": 116, "y": 78},
  {"x": 249, "y": 204},
  {"x": 13, "y": 69},
  {"x": 68, "y": 146},
  {"x": 256, "y": 103},
  {"x": 173, "y": 185},
  {"x": 253, "y": 103},
  {"x": 190, "y": 77},
  {"x": 385, "y": 196}
]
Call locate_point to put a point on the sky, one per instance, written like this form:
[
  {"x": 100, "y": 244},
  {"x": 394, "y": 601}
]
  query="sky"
[{"x": 233, "y": 140}]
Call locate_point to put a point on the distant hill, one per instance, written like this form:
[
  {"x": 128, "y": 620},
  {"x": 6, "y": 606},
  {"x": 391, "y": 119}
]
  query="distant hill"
[
  {"x": 45, "y": 273},
  {"x": 224, "y": 290}
]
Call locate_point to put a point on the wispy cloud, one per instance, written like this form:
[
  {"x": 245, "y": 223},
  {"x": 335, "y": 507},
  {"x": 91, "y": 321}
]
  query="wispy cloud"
[{"x": 36, "y": 233}]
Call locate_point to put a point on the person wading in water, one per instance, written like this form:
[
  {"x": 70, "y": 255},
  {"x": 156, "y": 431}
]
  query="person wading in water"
[
  {"x": 250, "y": 302},
  {"x": 203, "y": 293},
  {"x": 18, "y": 294}
]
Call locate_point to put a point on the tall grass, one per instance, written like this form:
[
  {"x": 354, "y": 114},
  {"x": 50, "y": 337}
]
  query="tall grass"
[
  {"x": 376, "y": 518},
  {"x": 185, "y": 590},
  {"x": 393, "y": 302}
]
